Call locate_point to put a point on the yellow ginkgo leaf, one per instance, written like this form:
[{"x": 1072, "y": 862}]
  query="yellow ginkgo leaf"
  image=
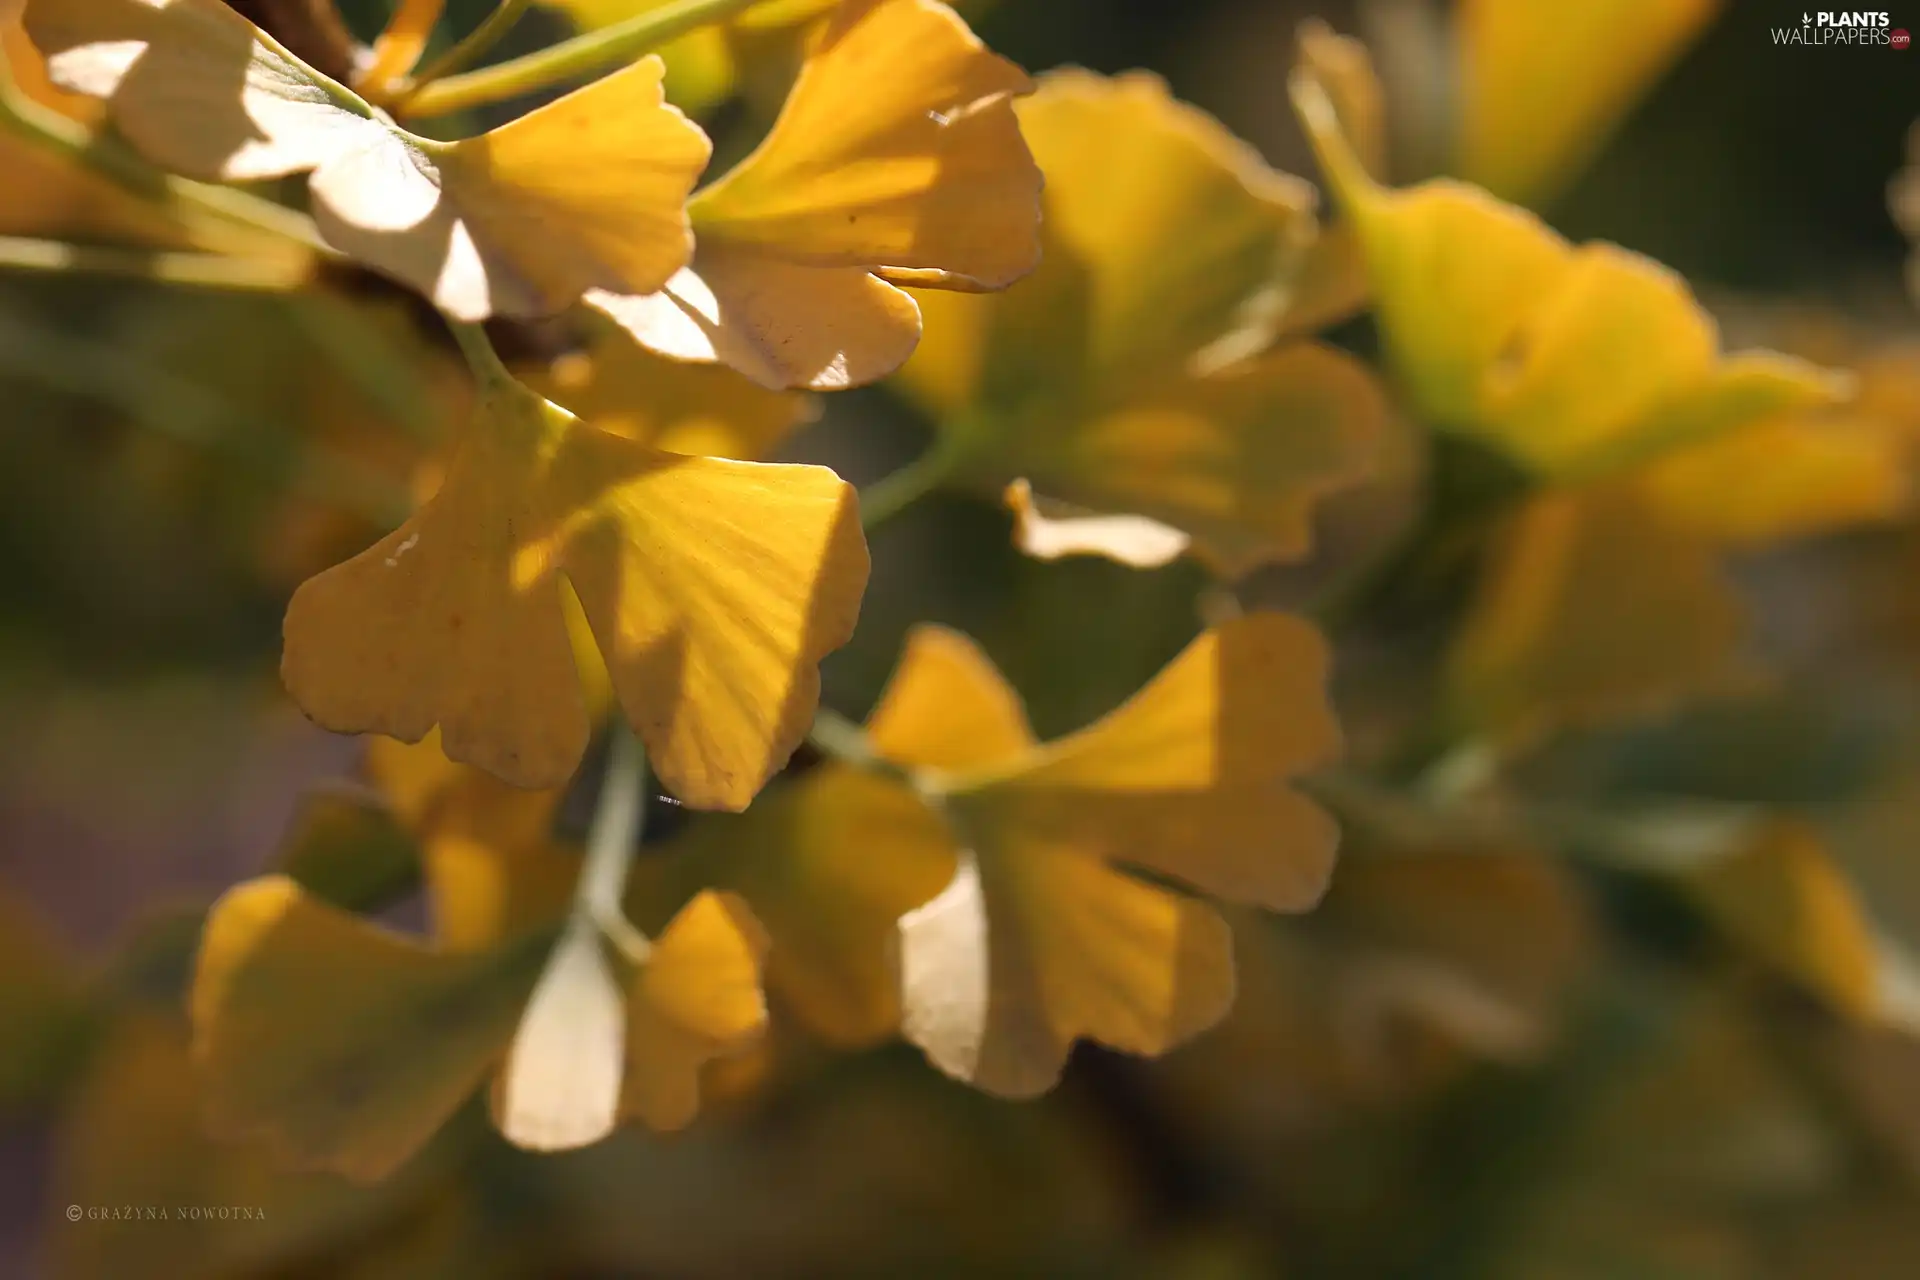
[
  {"x": 1237, "y": 460},
  {"x": 1543, "y": 85},
  {"x": 708, "y": 410},
  {"x": 487, "y": 851},
  {"x": 1139, "y": 277},
  {"x": 713, "y": 589},
  {"x": 346, "y": 848},
  {"x": 1047, "y": 529},
  {"x": 28, "y": 68},
  {"x": 1833, "y": 904},
  {"x": 348, "y": 1045},
  {"x": 1181, "y": 777},
  {"x": 1782, "y": 895},
  {"x": 1132, "y": 375},
  {"x": 399, "y": 47},
  {"x": 560, "y": 1084},
  {"x": 696, "y": 999},
  {"x": 1041, "y": 938},
  {"x": 949, "y": 708},
  {"x": 1343, "y": 67},
  {"x": 897, "y": 157},
  {"x": 587, "y": 192},
  {"x": 1572, "y": 360},
  {"x": 1040, "y": 935},
  {"x": 828, "y": 864},
  {"x": 1594, "y": 604},
  {"x": 1798, "y": 476},
  {"x": 48, "y": 195},
  {"x": 1016, "y": 959}
]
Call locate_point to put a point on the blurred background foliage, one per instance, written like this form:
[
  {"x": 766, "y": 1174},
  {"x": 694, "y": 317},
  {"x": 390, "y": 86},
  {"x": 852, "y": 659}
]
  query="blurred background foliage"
[{"x": 1475, "y": 1063}]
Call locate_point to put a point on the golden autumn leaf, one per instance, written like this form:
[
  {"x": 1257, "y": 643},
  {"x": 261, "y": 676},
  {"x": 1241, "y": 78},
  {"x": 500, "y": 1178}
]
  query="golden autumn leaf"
[
  {"x": 1047, "y": 529},
  {"x": 828, "y": 863},
  {"x": 1799, "y": 475},
  {"x": 896, "y": 158},
  {"x": 712, "y": 589},
  {"x": 397, "y": 50},
  {"x": 1135, "y": 374},
  {"x": 509, "y": 987},
  {"x": 697, "y": 999},
  {"x": 1573, "y": 360},
  {"x": 348, "y": 1045},
  {"x": 1831, "y": 902},
  {"x": 1594, "y": 604},
  {"x": 702, "y": 409},
  {"x": 587, "y": 192},
  {"x": 1543, "y": 85},
  {"x": 488, "y": 856},
  {"x": 1041, "y": 936},
  {"x": 1782, "y": 895}
]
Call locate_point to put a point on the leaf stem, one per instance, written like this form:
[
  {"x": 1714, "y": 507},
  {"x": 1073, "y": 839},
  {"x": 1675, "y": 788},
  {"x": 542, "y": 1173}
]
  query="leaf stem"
[
  {"x": 839, "y": 738},
  {"x": 488, "y": 369},
  {"x": 618, "y": 822},
  {"x": 835, "y": 735},
  {"x": 582, "y": 56},
  {"x": 886, "y": 498},
  {"x": 476, "y": 45}
]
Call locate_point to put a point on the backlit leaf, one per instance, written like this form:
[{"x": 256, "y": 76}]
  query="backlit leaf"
[
  {"x": 713, "y": 588},
  {"x": 707, "y": 410},
  {"x": 560, "y": 1083},
  {"x": 1131, "y": 375},
  {"x": 897, "y": 156},
  {"x": 948, "y": 708},
  {"x": 1797, "y": 477},
  {"x": 1050, "y": 530},
  {"x": 1574, "y": 360},
  {"x": 1593, "y": 604},
  {"x": 696, "y": 999},
  {"x": 1783, "y": 896},
  {"x": 1543, "y": 85},
  {"x": 48, "y": 195},
  {"x": 1041, "y": 938},
  {"x": 587, "y": 192},
  {"x": 489, "y": 858},
  {"x": 828, "y": 863}
]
